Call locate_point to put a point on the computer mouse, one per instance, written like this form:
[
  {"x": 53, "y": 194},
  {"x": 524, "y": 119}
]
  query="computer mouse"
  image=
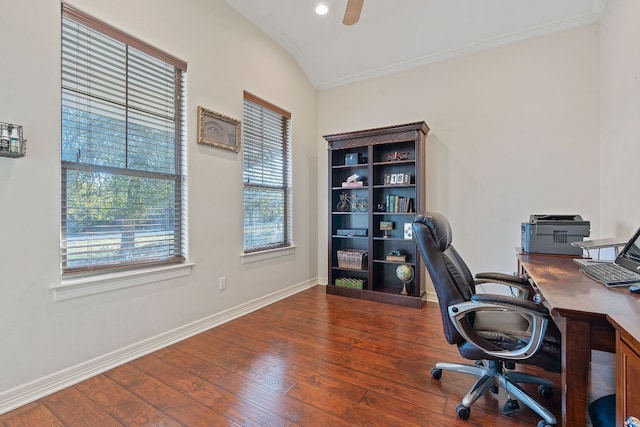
[{"x": 635, "y": 289}]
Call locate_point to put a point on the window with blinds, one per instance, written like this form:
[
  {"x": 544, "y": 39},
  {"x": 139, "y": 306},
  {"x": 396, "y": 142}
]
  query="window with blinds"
[
  {"x": 122, "y": 149},
  {"x": 267, "y": 175}
]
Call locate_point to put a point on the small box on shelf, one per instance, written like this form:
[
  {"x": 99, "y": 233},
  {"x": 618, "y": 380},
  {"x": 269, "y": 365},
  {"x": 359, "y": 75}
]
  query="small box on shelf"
[
  {"x": 352, "y": 232},
  {"x": 353, "y": 184},
  {"x": 348, "y": 282},
  {"x": 353, "y": 159}
]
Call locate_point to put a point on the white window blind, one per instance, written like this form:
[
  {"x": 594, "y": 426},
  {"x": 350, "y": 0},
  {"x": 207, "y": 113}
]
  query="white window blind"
[
  {"x": 267, "y": 175},
  {"x": 122, "y": 149}
]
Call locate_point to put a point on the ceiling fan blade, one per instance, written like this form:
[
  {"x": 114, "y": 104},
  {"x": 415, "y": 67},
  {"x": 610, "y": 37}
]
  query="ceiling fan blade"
[{"x": 352, "y": 14}]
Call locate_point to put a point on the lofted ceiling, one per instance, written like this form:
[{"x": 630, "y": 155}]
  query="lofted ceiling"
[{"x": 394, "y": 35}]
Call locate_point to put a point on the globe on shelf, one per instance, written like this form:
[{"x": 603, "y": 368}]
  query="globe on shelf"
[{"x": 404, "y": 273}]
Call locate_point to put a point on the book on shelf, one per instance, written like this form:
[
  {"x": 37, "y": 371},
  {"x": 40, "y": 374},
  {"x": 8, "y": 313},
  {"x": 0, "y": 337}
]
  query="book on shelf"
[
  {"x": 399, "y": 204},
  {"x": 353, "y": 184},
  {"x": 400, "y": 258}
]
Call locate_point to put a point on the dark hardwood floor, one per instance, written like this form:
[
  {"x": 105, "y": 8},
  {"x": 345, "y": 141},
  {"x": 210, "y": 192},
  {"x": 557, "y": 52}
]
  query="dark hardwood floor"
[{"x": 309, "y": 360}]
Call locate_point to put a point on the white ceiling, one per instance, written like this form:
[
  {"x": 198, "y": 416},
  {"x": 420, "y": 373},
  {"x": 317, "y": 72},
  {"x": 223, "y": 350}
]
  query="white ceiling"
[{"x": 393, "y": 35}]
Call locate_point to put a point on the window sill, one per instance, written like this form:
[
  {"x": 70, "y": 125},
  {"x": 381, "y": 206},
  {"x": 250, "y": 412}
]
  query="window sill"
[
  {"x": 72, "y": 288},
  {"x": 268, "y": 254}
]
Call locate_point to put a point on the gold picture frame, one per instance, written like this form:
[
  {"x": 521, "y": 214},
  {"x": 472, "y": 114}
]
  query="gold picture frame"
[{"x": 218, "y": 130}]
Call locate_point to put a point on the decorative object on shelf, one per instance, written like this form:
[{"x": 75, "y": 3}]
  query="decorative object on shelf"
[
  {"x": 386, "y": 226},
  {"x": 351, "y": 202},
  {"x": 396, "y": 255},
  {"x": 355, "y": 259},
  {"x": 352, "y": 232},
  {"x": 353, "y": 159},
  {"x": 397, "y": 179},
  {"x": 218, "y": 130},
  {"x": 394, "y": 157},
  {"x": 405, "y": 273},
  {"x": 408, "y": 231},
  {"x": 631, "y": 422},
  {"x": 12, "y": 143},
  {"x": 352, "y": 181}
]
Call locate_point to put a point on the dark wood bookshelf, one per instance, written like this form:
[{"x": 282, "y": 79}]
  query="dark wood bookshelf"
[{"x": 389, "y": 162}]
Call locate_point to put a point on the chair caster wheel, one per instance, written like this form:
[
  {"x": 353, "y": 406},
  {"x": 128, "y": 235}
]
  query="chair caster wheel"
[
  {"x": 545, "y": 391},
  {"x": 510, "y": 407},
  {"x": 543, "y": 423},
  {"x": 462, "y": 411},
  {"x": 436, "y": 373}
]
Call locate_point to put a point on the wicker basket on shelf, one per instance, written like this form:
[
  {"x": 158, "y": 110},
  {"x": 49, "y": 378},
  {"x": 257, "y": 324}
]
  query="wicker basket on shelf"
[{"x": 355, "y": 259}]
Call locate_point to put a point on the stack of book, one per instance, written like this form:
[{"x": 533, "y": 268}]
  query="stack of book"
[{"x": 399, "y": 204}]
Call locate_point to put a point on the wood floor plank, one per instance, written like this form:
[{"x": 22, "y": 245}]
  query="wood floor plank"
[
  {"x": 311, "y": 359},
  {"x": 260, "y": 368},
  {"x": 166, "y": 399},
  {"x": 293, "y": 341},
  {"x": 122, "y": 404},
  {"x": 208, "y": 394},
  {"x": 73, "y": 408},
  {"x": 344, "y": 408},
  {"x": 33, "y": 414}
]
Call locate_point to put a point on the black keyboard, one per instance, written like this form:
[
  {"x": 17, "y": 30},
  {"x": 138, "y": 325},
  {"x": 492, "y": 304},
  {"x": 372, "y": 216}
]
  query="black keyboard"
[{"x": 610, "y": 274}]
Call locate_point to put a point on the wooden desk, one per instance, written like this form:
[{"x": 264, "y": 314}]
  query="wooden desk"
[{"x": 579, "y": 306}]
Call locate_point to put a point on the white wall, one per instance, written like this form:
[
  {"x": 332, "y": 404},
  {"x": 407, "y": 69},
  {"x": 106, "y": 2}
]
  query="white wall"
[
  {"x": 225, "y": 56},
  {"x": 514, "y": 132},
  {"x": 619, "y": 118}
]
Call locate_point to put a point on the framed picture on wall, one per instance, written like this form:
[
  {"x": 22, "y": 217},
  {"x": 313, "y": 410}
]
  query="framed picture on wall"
[{"x": 218, "y": 130}]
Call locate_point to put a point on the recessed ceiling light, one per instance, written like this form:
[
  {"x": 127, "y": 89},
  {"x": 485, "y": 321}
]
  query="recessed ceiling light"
[{"x": 322, "y": 9}]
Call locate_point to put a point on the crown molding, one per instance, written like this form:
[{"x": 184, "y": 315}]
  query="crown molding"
[
  {"x": 530, "y": 33},
  {"x": 586, "y": 18}
]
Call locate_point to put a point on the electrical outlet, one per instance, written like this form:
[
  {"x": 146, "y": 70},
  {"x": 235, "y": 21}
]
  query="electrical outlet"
[{"x": 222, "y": 283}]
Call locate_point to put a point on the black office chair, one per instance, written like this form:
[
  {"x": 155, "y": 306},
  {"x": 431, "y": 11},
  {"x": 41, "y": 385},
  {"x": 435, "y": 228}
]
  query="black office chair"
[{"x": 496, "y": 331}]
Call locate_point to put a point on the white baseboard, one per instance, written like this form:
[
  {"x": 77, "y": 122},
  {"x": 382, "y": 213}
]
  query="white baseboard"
[
  {"x": 42, "y": 387},
  {"x": 431, "y": 296}
]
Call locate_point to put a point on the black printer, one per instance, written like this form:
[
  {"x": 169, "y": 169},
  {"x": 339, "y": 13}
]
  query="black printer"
[{"x": 553, "y": 234}]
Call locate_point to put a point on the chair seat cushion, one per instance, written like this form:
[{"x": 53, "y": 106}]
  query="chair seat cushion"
[
  {"x": 602, "y": 411},
  {"x": 510, "y": 331},
  {"x": 507, "y": 322}
]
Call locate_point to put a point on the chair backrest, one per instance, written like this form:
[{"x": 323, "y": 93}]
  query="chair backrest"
[{"x": 451, "y": 278}]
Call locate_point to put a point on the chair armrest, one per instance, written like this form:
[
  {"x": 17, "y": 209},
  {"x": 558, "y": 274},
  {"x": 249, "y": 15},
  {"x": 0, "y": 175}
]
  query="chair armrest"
[
  {"x": 523, "y": 292},
  {"x": 503, "y": 277},
  {"x": 510, "y": 302},
  {"x": 536, "y": 314},
  {"x": 514, "y": 282}
]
